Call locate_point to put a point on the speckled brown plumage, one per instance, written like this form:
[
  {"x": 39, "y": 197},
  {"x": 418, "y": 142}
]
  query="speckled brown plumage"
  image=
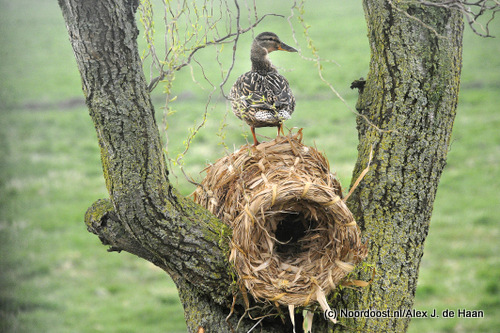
[{"x": 262, "y": 97}]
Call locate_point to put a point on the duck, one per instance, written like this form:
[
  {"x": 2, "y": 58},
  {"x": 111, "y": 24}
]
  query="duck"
[{"x": 262, "y": 97}]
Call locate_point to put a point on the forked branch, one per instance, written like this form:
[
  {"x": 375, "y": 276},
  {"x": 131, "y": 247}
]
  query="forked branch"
[{"x": 472, "y": 11}]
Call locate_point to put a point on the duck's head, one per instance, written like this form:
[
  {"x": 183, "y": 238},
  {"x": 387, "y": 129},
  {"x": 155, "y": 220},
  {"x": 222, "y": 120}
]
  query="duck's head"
[
  {"x": 271, "y": 42},
  {"x": 263, "y": 44}
]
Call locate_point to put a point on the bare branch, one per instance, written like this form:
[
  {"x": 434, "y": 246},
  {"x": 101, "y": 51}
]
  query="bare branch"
[
  {"x": 317, "y": 59},
  {"x": 191, "y": 27},
  {"x": 472, "y": 10},
  {"x": 223, "y": 40}
]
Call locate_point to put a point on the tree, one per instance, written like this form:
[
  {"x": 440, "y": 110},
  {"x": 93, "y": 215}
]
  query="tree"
[
  {"x": 406, "y": 112},
  {"x": 410, "y": 96}
]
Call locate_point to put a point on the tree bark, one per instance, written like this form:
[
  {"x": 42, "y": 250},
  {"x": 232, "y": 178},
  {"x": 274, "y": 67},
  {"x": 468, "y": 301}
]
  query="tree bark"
[
  {"x": 145, "y": 215},
  {"x": 411, "y": 93}
]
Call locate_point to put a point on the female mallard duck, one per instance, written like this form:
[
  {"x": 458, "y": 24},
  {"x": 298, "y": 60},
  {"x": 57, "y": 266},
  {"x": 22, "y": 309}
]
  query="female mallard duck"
[{"x": 262, "y": 97}]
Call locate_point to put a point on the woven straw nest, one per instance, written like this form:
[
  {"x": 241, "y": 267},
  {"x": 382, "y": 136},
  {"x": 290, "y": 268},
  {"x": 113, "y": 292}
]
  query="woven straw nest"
[{"x": 294, "y": 239}]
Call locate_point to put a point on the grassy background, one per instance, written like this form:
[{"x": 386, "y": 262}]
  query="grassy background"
[{"x": 57, "y": 277}]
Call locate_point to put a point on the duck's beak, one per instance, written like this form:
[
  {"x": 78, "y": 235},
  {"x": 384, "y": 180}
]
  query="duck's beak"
[{"x": 283, "y": 47}]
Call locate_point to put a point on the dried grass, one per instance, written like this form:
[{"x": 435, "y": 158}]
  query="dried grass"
[{"x": 294, "y": 239}]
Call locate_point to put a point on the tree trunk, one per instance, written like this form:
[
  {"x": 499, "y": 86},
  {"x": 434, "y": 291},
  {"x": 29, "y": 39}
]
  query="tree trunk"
[
  {"x": 411, "y": 92},
  {"x": 411, "y": 95}
]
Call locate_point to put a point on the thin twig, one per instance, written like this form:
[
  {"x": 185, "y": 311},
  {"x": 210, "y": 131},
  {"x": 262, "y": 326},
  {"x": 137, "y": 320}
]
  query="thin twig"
[
  {"x": 411, "y": 17},
  {"x": 361, "y": 176},
  {"x": 317, "y": 59},
  {"x": 472, "y": 10},
  {"x": 256, "y": 324},
  {"x": 222, "y": 40}
]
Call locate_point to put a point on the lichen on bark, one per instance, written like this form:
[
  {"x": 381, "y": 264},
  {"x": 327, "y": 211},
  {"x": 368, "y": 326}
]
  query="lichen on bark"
[{"x": 410, "y": 99}]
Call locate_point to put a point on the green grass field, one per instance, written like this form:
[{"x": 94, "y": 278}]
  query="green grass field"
[{"x": 57, "y": 277}]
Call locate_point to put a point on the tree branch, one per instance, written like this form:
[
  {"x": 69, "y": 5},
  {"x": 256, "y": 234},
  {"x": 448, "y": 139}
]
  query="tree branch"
[
  {"x": 154, "y": 82},
  {"x": 472, "y": 10},
  {"x": 101, "y": 220},
  {"x": 414, "y": 89},
  {"x": 145, "y": 215}
]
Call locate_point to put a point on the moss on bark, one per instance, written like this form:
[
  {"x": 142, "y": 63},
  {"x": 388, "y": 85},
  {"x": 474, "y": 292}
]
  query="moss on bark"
[{"x": 410, "y": 98}]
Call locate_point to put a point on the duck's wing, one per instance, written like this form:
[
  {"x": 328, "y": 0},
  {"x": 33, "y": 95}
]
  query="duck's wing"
[
  {"x": 250, "y": 91},
  {"x": 280, "y": 92}
]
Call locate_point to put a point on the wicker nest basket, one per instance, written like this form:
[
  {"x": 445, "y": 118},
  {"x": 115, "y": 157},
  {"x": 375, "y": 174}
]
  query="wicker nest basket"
[{"x": 294, "y": 239}]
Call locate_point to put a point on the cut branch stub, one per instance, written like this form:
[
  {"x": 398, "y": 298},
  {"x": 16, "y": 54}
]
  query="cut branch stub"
[{"x": 294, "y": 239}]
